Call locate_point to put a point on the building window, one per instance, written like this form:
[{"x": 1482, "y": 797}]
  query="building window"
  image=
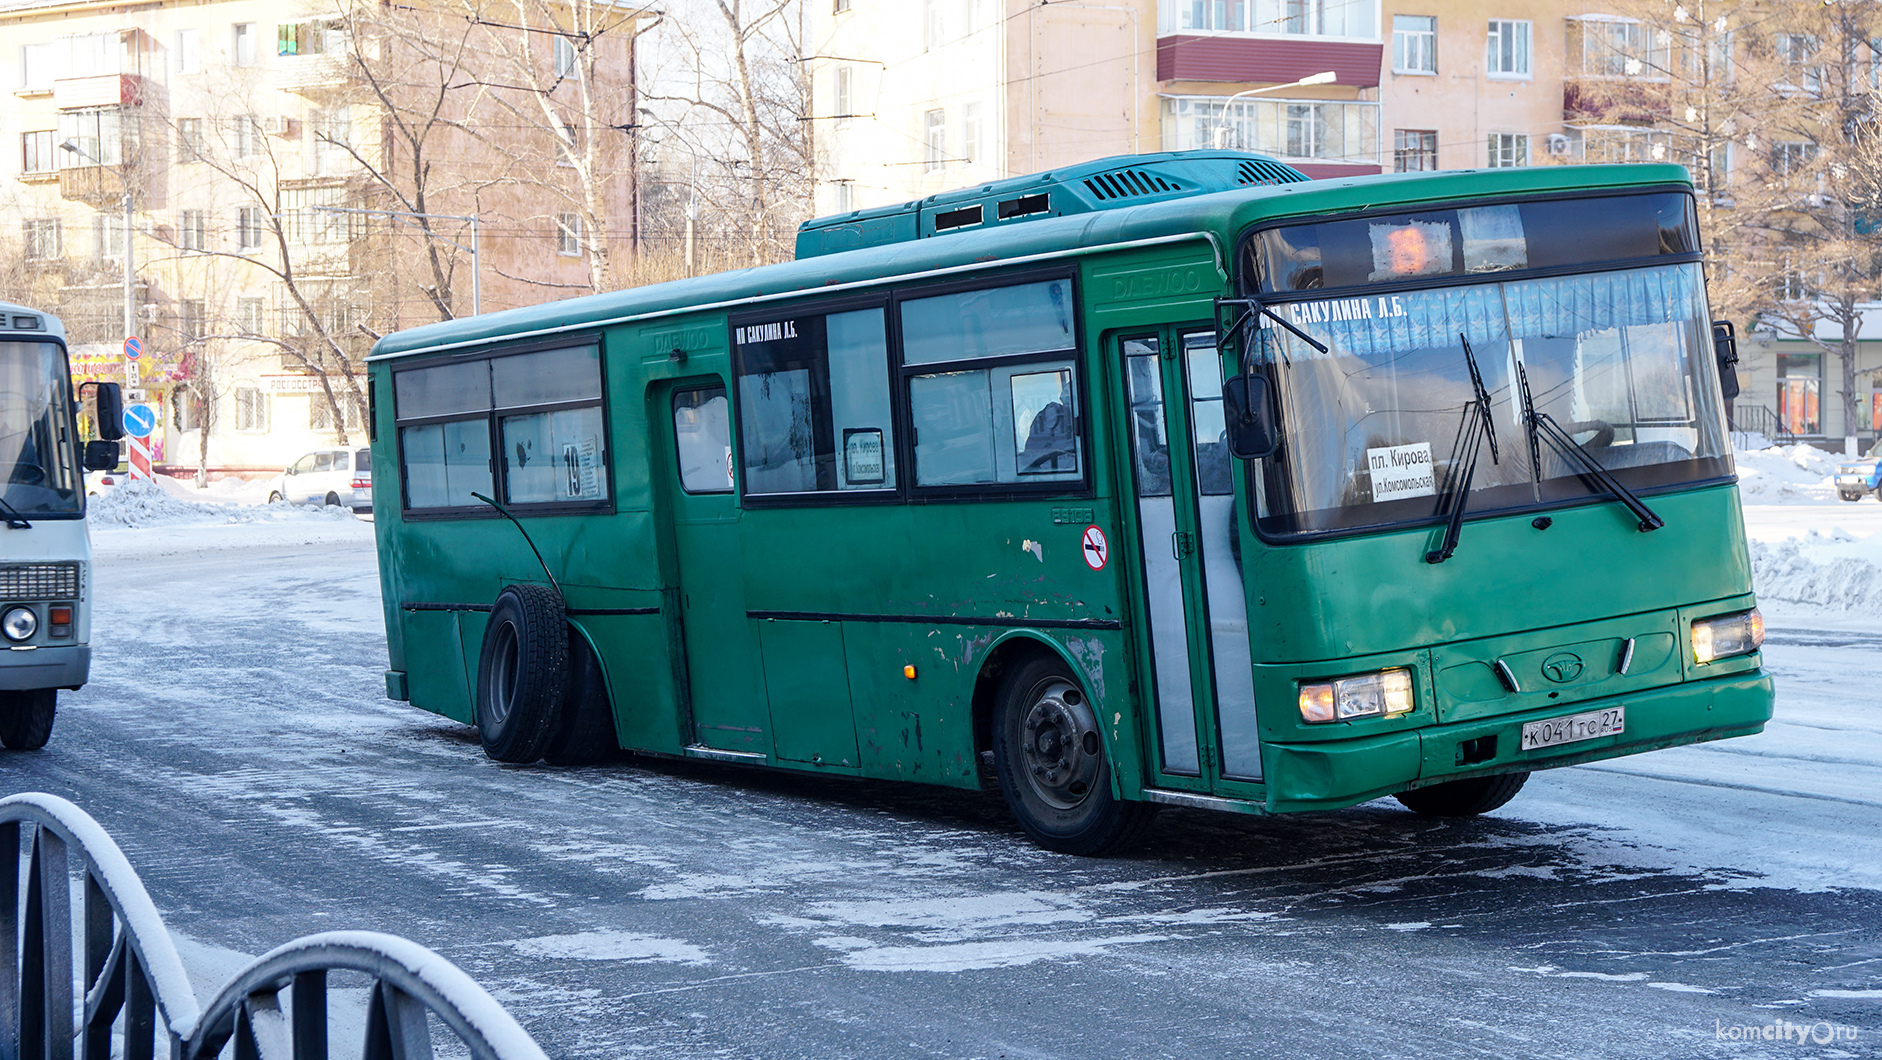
[
  {"x": 320, "y": 412},
  {"x": 107, "y": 236},
  {"x": 935, "y": 140},
  {"x": 192, "y": 321},
  {"x": 242, "y": 47},
  {"x": 251, "y": 409},
  {"x": 250, "y": 316},
  {"x": 842, "y": 94},
  {"x": 1508, "y": 53},
  {"x": 189, "y": 139},
  {"x": 1313, "y": 18},
  {"x": 841, "y": 6},
  {"x": 248, "y": 228},
  {"x": 184, "y": 413},
  {"x": 189, "y": 51},
  {"x": 845, "y": 196},
  {"x": 1414, "y": 44},
  {"x": 1792, "y": 158},
  {"x": 101, "y": 134},
  {"x": 970, "y": 132},
  {"x": 306, "y": 221},
  {"x": 192, "y": 230},
  {"x": 44, "y": 239},
  {"x": 564, "y": 53},
  {"x": 1797, "y": 54},
  {"x": 1414, "y": 150},
  {"x": 1323, "y": 130},
  {"x": 1793, "y": 284},
  {"x": 245, "y": 134},
  {"x": 333, "y": 139},
  {"x": 36, "y": 152},
  {"x": 1799, "y": 390},
  {"x": 1620, "y": 49},
  {"x": 934, "y": 26},
  {"x": 568, "y": 234},
  {"x": 1508, "y": 150},
  {"x": 318, "y": 37}
]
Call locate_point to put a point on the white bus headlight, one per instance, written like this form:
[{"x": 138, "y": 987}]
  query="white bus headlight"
[
  {"x": 1723, "y": 636},
  {"x": 1382, "y": 693},
  {"x": 19, "y": 623}
]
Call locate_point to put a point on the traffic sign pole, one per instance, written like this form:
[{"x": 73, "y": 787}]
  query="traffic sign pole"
[{"x": 140, "y": 421}]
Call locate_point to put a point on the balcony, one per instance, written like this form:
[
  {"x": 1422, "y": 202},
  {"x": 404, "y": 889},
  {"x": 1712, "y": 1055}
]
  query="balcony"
[
  {"x": 1238, "y": 59},
  {"x": 312, "y": 74},
  {"x": 1616, "y": 102},
  {"x": 102, "y": 90}
]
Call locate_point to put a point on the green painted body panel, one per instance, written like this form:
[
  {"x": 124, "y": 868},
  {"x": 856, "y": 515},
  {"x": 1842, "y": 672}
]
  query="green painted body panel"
[{"x": 856, "y": 592}]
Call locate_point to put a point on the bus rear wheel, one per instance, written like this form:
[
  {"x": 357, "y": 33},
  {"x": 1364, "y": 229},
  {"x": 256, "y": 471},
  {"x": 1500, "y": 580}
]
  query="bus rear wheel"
[
  {"x": 583, "y": 731},
  {"x": 1464, "y": 798},
  {"x": 26, "y": 718},
  {"x": 521, "y": 672},
  {"x": 1049, "y": 753}
]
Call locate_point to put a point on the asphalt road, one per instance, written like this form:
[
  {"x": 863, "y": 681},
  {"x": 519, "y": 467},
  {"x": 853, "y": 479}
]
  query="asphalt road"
[{"x": 236, "y": 743}]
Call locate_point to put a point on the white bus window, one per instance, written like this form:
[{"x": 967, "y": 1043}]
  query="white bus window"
[
  {"x": 549, "y": 457},
  {"x": 445, "y": 463},
  {"x": 814, "y": 411},
  {"x": 702, "y": 436}
]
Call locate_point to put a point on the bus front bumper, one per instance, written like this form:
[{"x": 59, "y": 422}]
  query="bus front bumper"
[
  {"x": 44, "y": 666},
  {"x": 1326, "y": 776}
]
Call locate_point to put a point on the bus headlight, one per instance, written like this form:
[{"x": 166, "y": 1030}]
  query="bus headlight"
[
  {"x": 1723, "y": 636},
  {"x": 1382, "y": 693},
  {"x": 19, "y": 623}
]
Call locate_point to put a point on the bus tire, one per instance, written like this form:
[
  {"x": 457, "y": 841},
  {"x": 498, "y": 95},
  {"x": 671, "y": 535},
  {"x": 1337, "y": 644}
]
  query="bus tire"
[
  {"x": 1049, "y": 753},
  {"x": 26, "y": 718},
  {"x": 583, "y": 732},
  {"x": 1464, "y": 798},
  {"x": 521, "y": 672}
]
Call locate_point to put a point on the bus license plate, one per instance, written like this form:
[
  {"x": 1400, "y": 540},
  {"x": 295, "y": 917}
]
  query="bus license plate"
[{"x": 1540, "y": 734}]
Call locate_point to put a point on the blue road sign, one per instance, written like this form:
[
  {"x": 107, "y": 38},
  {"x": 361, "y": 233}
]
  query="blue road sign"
[
  {"x": 140, "y": 420},
  {"x": 133, "y": 348}
]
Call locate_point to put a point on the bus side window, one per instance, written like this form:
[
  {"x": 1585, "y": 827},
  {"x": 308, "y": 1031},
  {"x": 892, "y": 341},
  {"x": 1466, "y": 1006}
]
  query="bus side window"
[
  {"x": 1015, "y": 421},
  {"x": 702, "y": 436},
  {"x": 814, "y": 412}
]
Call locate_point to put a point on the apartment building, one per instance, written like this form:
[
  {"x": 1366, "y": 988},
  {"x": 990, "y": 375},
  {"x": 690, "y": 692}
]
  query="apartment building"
[
  {"x": 273, "y": 193},
  {"x": 911, "y": 98}
]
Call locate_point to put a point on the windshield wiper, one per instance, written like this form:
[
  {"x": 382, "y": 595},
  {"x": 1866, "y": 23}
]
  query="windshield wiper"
[
  {"x": 15, "y": 521},
  {"x": 1475, "y": 428},
  {"x": 1542, "y": 425}
]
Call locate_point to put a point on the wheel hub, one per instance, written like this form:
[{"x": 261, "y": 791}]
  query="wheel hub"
[{"x": 1059, "y": 736}]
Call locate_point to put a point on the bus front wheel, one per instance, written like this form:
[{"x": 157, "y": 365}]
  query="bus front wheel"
[
  {"x": 26, "y": 718},
  {"x": 1463, "y": 798},
  {"x": 521, "y": 672},
  {"x": 1053, "y": 771}
]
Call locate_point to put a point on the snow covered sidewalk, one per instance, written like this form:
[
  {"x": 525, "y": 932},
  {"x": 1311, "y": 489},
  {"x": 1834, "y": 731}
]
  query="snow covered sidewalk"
[{"x": 166, "y": 516}]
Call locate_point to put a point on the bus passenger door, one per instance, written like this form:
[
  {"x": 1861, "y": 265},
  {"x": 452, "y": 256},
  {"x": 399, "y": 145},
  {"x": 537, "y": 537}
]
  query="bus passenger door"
[
  {"x": 1197, "y": 649},
  {"x": 724, "y": 688}
]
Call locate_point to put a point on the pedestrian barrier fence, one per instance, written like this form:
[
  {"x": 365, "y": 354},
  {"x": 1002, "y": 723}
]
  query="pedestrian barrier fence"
[{"x": 134, "y": 998}]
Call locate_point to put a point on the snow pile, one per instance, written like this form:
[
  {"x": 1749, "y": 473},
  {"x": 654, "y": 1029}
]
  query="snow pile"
[
  {"x": 1786, "y": 474},
  {"x": 1837, "y": 571},
  {"x": 140, "y": 505}
]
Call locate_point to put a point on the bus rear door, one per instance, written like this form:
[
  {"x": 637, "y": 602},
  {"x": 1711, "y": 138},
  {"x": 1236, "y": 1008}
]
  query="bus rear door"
[{"x": 1192, "y": 605}]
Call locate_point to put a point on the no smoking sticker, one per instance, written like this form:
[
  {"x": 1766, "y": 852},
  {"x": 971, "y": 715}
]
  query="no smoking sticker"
[{"x": 1095, "y": 549}]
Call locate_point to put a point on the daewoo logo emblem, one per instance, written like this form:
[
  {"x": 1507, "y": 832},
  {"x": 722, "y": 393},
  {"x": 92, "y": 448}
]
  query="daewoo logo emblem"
[{"x": 1562, "y": 667}]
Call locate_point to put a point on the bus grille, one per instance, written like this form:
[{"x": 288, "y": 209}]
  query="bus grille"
[{"x": 40, "y": 581}]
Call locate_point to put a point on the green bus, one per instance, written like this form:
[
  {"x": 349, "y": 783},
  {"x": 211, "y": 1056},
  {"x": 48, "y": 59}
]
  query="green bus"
[{"x": 1164, "y": 479}]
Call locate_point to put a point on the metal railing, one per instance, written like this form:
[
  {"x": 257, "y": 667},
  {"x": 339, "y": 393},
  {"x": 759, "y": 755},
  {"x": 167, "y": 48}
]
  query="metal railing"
[
  {"x": 1749, "y": 420},
  {"x": 135, "y": 986}
]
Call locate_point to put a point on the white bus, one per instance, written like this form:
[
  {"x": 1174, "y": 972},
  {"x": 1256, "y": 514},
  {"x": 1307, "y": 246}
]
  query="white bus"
[{"x": 45, "y": 549}]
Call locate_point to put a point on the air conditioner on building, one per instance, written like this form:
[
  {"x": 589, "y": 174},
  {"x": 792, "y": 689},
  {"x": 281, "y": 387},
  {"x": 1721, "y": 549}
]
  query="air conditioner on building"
[
  {"x": 278, "y": 124},
  {"x": 1559, "y": 144}
]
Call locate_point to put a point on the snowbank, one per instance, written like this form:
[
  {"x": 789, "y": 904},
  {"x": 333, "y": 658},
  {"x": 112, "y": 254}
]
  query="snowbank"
[
  {"x": 1835, "y": 572},
  {"x": 141, "y": 505},
  {"x": 1787, "y": 474}
]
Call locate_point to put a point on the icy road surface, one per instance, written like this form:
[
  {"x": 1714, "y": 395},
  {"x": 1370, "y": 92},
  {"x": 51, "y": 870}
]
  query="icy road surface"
[{"x": 235, "y": 741}]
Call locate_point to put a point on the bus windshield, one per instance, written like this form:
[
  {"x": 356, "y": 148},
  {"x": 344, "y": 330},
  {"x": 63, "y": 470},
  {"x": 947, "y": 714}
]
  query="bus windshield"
[
  {"x": 38, "y": 457},
  {"x": 1372, "y": 428}
]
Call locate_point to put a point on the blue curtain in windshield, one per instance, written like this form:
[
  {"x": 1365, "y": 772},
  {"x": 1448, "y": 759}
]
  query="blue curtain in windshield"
[{"x": 1379, "y": 325}]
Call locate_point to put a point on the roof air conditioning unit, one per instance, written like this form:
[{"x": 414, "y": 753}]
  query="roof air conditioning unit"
[
  {"x": 278, "y": 124},
  {"x": 1559, "y": 144}
]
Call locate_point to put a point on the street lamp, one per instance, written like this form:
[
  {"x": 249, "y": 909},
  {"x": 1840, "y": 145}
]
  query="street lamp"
[
  {"x": 1324, "y": 77},
  {"x": 130, "y": 297}
]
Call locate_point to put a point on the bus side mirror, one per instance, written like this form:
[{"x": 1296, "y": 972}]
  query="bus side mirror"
[
  {"x": 110, "y": 401},
  {"x": 1248, "y": 416},
  {"x": 101, "y": 456},
  {"x": 1725, "y": 351}
]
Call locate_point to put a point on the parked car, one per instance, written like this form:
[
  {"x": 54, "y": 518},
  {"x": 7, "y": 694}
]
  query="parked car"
[
  {"x": 326, "y": 476},
  {"x": 1857, "y": 477},
  {"x": 101, "y": 482}
]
